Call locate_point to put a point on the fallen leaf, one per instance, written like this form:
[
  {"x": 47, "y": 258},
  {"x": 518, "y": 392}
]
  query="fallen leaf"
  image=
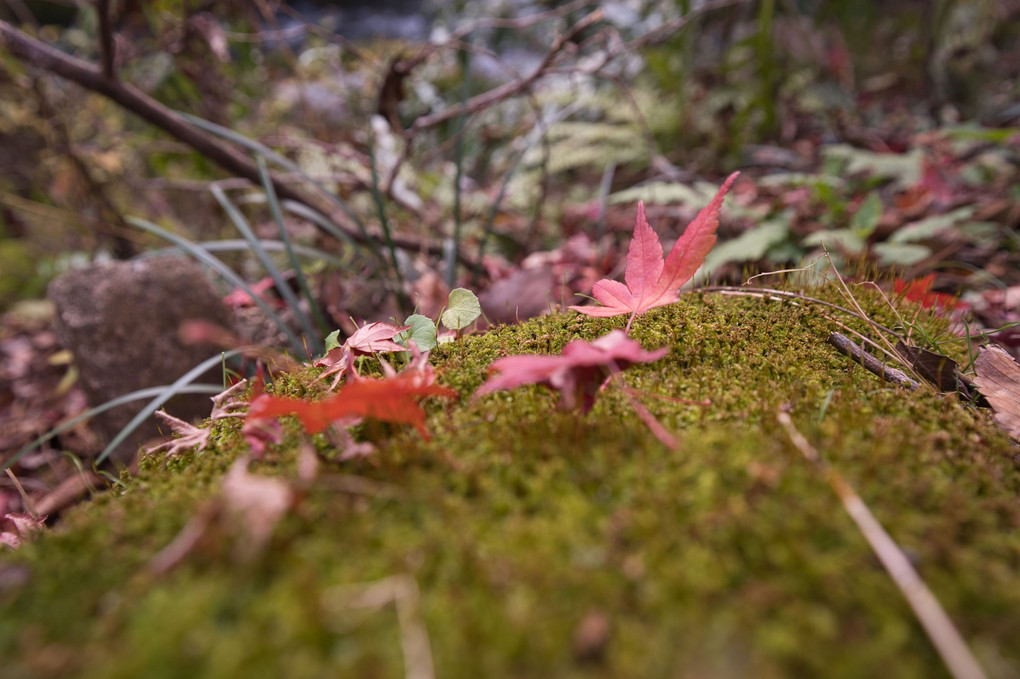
[
  {"x": 998, "y": 378},
  {"x": 650, "y": 281},
  {"x": 230, "y": 401},
  {"x": 260, "y": 432},
  {"x": 17, "y": 527},
  {"x": 188, "y": 437},
  {"x": 239, "y": 298},
  {"x": 375, "y": 338},
  {"x": 248, "y": 507},
  {"x": 576, "y": 373},
  {"x": 390, "y": 400},
  {"x": 937, "y": 368},
  {"x": 463, "y": 309},
  {"x": 920, "y": 290},
  {"x": 369, "y": 339},
  {"x": 256, "y": 504}
]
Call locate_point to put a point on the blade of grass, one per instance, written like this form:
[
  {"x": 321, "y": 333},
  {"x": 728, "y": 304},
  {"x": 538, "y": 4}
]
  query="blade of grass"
[
  {"x": 380, "y": 208},
  {"x": 490, "y": 222},
  {"x": 464, "y": 58},
  {"x": 268, "y": 153},
  {"x": 241, "y": 245},
  {"x": 536, "y": 135},
  {"x": 223, "y": 270},
  {"x": 321, "y": 221},
  {"x": 605, "y": 186},
  {"x": 274, "y": 209},
  {"x": 242, "y": 225},
  {"x": 157, "y": 403},
  {"x": 112, "y": 403}
]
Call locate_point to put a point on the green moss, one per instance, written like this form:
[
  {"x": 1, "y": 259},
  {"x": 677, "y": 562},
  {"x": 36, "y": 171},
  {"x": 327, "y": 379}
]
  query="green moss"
[{"x": 728, "y": 557}]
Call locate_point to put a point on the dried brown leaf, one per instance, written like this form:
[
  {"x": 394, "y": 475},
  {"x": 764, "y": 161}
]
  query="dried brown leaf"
[{"x": 998, "y": 378}]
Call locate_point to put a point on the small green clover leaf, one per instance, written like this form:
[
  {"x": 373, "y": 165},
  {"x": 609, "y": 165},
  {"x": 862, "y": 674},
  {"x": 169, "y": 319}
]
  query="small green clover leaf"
[
  {"x": 332, "y": 340},
  {"x": 462, "y": 311},
  {"x": 422, "y": 332}
]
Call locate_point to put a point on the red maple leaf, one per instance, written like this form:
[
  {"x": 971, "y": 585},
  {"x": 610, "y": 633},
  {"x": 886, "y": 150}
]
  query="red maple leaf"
[
  {"x": 394, "y": 399},
  {"x": 576, "y": 373},
  {"x": 650, "y": 281},
  {"x": 920, "y": 290}
]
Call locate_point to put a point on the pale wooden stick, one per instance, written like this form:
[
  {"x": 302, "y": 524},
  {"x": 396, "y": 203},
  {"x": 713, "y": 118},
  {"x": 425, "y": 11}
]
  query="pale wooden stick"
[{"x": 943, "y": 634}]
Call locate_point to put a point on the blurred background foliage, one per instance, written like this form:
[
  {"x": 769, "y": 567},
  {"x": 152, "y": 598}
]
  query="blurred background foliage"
[{"x": 769, "y": 86}]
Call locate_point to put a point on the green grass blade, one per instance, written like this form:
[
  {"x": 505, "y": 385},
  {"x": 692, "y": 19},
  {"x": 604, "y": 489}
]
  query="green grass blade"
[
  {"x": 319, "y": 219},
  {"x": 277, "y": 212},
  {"x": 464, "y": 57},
  {"x": 280, "y": 160},
  {"x": 112, "y": 403},
  {"x": 223, "y": 270},
  {"x": 241, "y": 245},
  {"x": 282, "y": 286},
  {"x": 166, "y": 394},
  {"x": 380, "y": 208}
]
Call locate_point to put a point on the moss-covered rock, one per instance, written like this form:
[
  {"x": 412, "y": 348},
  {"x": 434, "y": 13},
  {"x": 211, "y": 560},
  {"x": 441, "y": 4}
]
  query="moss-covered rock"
[{"x": 526, "y": 542}]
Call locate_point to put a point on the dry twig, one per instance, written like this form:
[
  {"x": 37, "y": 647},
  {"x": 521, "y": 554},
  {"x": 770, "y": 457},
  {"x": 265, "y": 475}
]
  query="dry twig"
[
  {"x": 855, "y": 352},
  {"x": 929, "y": 612}
]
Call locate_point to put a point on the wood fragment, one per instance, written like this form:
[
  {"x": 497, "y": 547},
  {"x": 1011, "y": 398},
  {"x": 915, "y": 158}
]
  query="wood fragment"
[
  {"x": 954, "y": 651},
  {"x": 845, "y": 346}
]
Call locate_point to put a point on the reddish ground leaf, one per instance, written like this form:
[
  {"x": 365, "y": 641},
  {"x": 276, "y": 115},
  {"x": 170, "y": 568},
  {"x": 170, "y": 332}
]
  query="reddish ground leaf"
[
  {"x": 576, "y": 373},
  {"x": 389, "y": 400},
  {"x": 189, "y": 437},
  {"x": 920, "y": 290},
  {"x": 17, "y": 527},
  {"x": 238, "y": 298},
  {"x": 374, "y": 338},
  {"x": 650, "y": 281},
  {"x": 369, "y": 339}
]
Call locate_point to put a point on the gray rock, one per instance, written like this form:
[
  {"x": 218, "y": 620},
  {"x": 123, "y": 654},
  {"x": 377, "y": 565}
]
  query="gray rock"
[{"x": 121, "y": 322}]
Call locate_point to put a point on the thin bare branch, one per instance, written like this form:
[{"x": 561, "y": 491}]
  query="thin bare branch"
[
  {"x": 666, "y": 31},
  {"x": 486, "y": 99},
  {"x": 522, "y": 22},
  {"x": 87, "y": 75},
  {"x": 845, "y": 346}
]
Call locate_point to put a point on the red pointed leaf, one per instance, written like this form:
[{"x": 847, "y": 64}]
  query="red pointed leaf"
[
  {"x": 689, "y": 252},
  {"x": 390, "y": 400},
  {"x": 644, "y": 259},
  {"x": 576, "y": 372},
  {"x": 375, "y": 337},
  {"x": 651, "y": 282}
]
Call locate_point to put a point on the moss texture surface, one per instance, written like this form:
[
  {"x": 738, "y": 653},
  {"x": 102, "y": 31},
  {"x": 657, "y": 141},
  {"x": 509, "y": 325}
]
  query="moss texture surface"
[{"x": 548, "y": 544}]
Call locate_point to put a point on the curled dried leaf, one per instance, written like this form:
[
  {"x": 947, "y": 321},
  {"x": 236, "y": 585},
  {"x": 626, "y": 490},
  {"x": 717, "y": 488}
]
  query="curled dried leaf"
[{"x": 998, "y": 379}]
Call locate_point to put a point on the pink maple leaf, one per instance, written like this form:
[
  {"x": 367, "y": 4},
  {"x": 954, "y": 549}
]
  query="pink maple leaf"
[
  {"x": 576, "y": 373},
  {"x": 189, "y": 437},
  {"x": 17, "y": 527},
  {"x": 374, "y": 338},
  {"x": 369, "y": 339},
  {"x": 650, "y": 281},
  {"x": 239, "y": 298}
]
